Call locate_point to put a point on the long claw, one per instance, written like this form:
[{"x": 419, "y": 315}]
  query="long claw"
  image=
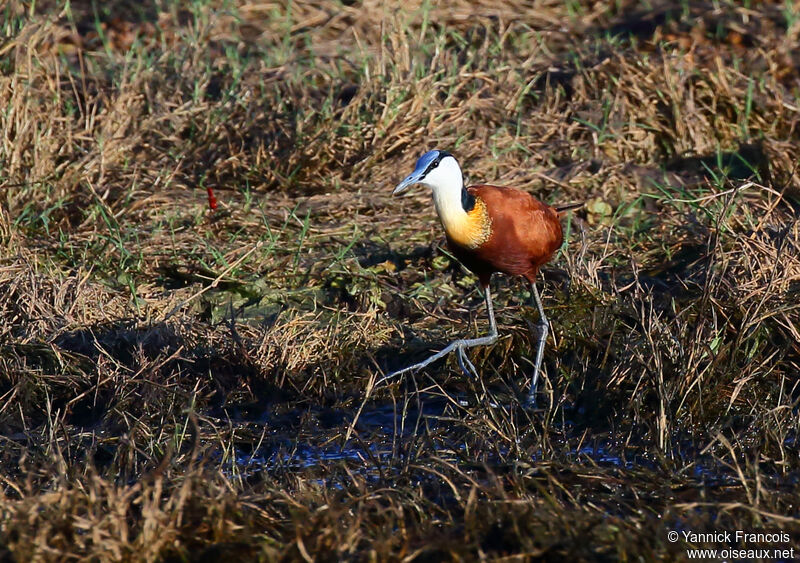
[
  {"x": 459, "y": 346},
  {"x": 466, "y": 366}
]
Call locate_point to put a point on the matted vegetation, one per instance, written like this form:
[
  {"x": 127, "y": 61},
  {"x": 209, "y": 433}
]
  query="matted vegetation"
[{"x": 181, "y": 384}]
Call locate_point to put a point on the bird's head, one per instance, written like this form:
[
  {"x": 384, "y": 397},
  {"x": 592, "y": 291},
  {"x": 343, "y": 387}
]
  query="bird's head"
[{"x": 436, "y": 169}]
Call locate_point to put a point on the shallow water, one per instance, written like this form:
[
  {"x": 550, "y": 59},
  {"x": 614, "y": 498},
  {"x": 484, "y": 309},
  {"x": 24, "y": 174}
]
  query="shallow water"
[{"x": 390, "y": 439}]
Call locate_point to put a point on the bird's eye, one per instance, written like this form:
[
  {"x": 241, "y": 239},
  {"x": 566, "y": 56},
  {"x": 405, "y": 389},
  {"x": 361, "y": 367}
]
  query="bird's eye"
[{"x": 435, "y": 164}]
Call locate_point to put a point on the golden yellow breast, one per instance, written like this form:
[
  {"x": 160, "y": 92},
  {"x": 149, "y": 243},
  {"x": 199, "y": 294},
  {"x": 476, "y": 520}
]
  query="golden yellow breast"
[{"x": 473, "y": 229}]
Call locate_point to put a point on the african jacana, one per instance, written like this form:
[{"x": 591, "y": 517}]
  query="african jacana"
[{"x": 489, "y": 229}]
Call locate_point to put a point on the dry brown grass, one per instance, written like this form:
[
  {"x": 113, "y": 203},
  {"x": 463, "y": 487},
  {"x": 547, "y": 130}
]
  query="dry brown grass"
[{"x": 184, "y": 385}]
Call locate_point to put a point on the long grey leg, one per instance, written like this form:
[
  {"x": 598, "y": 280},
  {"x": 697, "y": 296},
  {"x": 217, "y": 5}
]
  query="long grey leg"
[
  {"x": 459, "y": 346},
  {"x": 544, "y": 328}
]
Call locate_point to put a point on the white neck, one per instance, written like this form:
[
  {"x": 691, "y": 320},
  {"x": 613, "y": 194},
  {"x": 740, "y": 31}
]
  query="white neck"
[
  {"x": 447, "y": 183},
  {"x": 448, "y": 206}
]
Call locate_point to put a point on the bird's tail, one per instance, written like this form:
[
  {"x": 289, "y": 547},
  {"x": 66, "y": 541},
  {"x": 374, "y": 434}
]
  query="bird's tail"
[{"x": 562, "y": 209}]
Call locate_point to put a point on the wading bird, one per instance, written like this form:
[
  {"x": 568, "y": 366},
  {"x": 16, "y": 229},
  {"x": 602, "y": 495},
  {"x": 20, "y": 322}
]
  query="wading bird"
[{"x": 489, "y": 229}]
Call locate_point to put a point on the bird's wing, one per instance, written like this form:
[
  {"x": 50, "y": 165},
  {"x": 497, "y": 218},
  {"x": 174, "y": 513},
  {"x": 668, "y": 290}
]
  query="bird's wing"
[{"x": 523, "y": 228}]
